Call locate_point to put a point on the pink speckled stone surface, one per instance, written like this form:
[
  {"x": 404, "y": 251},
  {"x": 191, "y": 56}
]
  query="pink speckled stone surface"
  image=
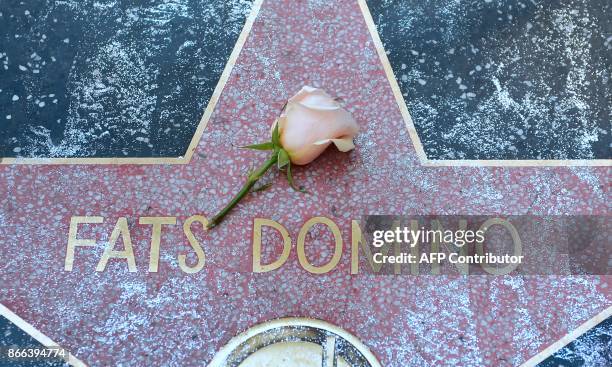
[{"x": 175, "y": 319}]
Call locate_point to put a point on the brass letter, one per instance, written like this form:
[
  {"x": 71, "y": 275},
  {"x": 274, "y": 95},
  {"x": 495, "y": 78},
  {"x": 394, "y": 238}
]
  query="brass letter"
[
  {"x": 194, "y": 244},
  {"x": 516, "y": 240},
  {"x": 357, "y": 238},
  {"x": 74, "y": 242},
  {"x": 121, "y": 228},
  {"x": 301, "y": 244},
  {"x": 157, "y": 223},
  {"x": 258, "y": 267}
]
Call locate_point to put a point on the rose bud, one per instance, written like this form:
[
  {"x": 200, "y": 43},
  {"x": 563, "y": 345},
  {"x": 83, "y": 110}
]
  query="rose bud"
[
  {"x": 310, "y": 121},
  {"x": 313, "y": 120}
]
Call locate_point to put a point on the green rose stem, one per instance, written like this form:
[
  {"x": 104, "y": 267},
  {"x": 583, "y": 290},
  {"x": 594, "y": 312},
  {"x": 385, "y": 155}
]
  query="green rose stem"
[
  {"x": 280, "y": 157},
  {"x": 252, "y": 179}
]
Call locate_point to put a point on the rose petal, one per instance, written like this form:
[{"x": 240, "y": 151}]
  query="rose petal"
[
  {"x": 314, "y": 98},
  {"x": 310, "y": 122},
  {"x": 343, "y": 144}
]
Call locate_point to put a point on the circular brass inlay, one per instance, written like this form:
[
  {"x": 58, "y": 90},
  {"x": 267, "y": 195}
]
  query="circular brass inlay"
[{"x": 295, "y": 342}]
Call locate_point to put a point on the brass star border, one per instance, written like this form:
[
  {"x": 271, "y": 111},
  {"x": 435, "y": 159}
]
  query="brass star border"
[
  {"x": 212, "y": 103},
  {"x": 414, "y": 136},
  {"x": 532, "y": 362},
  {"x": 37, "y": 335},
  {"x": 418, "y": 146}
]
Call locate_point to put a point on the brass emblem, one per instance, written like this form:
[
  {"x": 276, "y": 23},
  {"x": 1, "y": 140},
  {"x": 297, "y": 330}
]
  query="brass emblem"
[{"x": 295, "y": 342}]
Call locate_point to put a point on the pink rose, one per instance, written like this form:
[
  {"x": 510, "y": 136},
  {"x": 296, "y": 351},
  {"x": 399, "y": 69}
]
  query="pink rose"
[{"x": 311, "y": 121}]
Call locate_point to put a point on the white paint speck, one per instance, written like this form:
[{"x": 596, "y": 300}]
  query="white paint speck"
[
  {"x": 22, "y": 68},
  {"x": 15, "y": 98}
]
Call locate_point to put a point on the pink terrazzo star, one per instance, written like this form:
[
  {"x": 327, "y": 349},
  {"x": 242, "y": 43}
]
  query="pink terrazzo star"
[{"x": 171, "y": 318}]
